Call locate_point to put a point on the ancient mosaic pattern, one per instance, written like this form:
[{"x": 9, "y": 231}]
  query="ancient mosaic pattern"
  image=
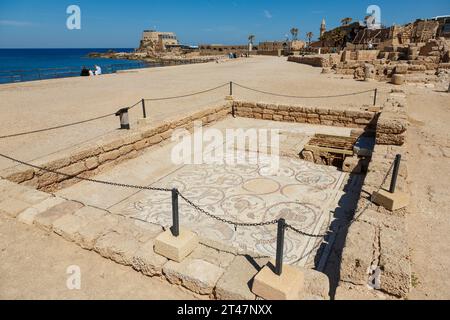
[{"x": 301, "y": 192}]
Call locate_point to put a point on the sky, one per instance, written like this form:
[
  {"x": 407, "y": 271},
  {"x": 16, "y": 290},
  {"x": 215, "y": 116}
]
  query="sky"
[{"x": 119, "y": 24}]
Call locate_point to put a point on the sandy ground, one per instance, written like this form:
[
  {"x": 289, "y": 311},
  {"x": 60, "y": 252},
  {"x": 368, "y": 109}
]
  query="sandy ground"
[
  {"x": 29, "y": 106},
  {"x": 40, "y": 104},
  {"x": 34, "y": 265},
  {"x": 429, "y": 172}
]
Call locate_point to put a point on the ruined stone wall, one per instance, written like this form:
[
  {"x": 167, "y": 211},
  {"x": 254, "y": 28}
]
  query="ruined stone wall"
[
  {"x": 376, "y": 243},
  {"x": 90, "y": 161},
  {"x": 323, "y": 116},
  {"x": 323, "y": 61}
]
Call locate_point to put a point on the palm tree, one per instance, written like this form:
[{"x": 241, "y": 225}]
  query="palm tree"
[
  {"x": 294, "y": 32},
  {"x": 251, "y": 38},
  {"x": 346, "y": 21},
  {"x": 309, "y": 35}
]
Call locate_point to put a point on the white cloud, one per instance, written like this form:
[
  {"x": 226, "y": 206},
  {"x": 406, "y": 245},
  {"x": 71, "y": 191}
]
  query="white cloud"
[
  {"x": 267, "y": 14},
  {"x": 14, "y": 23}
]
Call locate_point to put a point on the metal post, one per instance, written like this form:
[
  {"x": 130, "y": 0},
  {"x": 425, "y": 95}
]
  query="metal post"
[
  {"x": 231, "y": 88},
  {"x": 398, "y": 159},
  {"x": 123, "y": 115},
  {"x": 375, "y": 98},
  {"x": 280, "y": 246},
  {"x": 175, "y": 217},
  {"x": 144, "y": 112}
]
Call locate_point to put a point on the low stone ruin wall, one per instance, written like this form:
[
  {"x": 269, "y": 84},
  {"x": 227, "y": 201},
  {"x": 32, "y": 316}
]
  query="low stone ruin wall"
[
  {"x": 375, "y": 250},
  {"x": 91, "y": 160},
  {"x": 206, "y": 272},
  {"x": 322, "y": 61},
  {"x": 323, "y": 116}
]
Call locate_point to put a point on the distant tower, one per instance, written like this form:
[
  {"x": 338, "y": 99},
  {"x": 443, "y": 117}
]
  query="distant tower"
[{"x": 323, "y": 28}]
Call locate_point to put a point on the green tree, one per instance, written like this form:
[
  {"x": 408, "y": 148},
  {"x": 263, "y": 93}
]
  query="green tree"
[
  {"x": 294, "y": 32},
  {"x": 309, "y": 35}
]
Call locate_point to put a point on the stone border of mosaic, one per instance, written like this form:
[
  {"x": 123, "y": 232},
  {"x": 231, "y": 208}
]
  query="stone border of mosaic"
[
  {"x": 378, "y": 239},
  {"x": 320, "y": 116},
  {"x": 106, "y": 153},
  {"x": 206, "y": 271}
]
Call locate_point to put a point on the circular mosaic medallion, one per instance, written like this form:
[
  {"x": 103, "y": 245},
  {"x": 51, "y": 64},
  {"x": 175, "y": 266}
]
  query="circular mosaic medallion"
[{"x": 261, "y": 186}]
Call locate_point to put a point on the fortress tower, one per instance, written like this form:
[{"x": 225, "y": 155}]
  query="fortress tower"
[{"x": 323, "y": 28}]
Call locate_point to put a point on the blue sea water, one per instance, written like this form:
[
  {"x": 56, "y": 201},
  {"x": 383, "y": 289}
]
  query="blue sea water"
[{"x": 33, "y": 64}]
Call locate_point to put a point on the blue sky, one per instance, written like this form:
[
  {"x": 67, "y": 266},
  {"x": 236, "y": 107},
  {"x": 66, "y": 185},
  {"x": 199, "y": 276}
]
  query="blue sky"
[{"x": 114, "y": 23}]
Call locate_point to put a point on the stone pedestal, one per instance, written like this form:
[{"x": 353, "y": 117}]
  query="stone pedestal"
[
  {"x": 176, "y": 248},
  {"x": 229, "y": 98},
  {"x": 391, "y": 201},
  {"x": 270, "y": 286}
]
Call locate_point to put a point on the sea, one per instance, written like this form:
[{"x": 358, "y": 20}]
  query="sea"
[{"x": 18, "y": 65}]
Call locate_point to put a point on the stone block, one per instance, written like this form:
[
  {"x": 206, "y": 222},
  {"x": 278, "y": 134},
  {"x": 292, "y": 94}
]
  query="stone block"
[
  {"x": 398, "y": 79},
  {"x": 270, "y": 286},
  {"x": 197, "y": 275},
  {"x": 317, "y": 285},
  {"x": 33, "y": 196},
  {"x": 394, "y": 263},
  {"x": 111, "y": 155},
  {"x": 29, "y": 214},
  {"x": 357, "y": 254},
  {"x": 391, "y": 201},
  {"x": 176, "y": 248},
  {"x": 236, "y": 282},
  {"x": 214, "y": 256},
  {"x": 46, "y": 219},
  {"x": 68, "y": 226},
  {"x": 94, "y": 229},
  {"x": 120, "y": 248},
  {"x": 147, "y": 261},
  {"x": 13, "y": 207},
  {"x": 352, "y": 165}
]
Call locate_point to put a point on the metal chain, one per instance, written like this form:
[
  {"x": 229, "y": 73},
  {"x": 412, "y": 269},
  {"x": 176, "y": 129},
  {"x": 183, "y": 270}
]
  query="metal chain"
[
  {"x": 234, "y": 223},
  {"x": 303, "y": 97},
  {"x": 188, "y": 95},
  {"x": 69, "y": 176},
  {"x": 357, "y": 214},
  {"x": 198, "y": 208}
]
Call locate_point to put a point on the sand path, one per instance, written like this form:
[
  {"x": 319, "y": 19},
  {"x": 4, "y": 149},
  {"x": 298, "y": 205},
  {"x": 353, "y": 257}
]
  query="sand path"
[{"x": 41, "y": 104}]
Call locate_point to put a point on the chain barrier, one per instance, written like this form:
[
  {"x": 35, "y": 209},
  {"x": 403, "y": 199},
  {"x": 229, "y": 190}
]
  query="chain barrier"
[
  {"x": 303, "y": 97},
  {"x": 56, "y": 127},
  {"x": 70, "y": 176},
  {"x": 235, "y": 224},
  {"x": 109, "y": 114},
  {"x": 198, "y": 208},
  {"x": 171, "y": 98},
  {"x": 190, "y": 94}
]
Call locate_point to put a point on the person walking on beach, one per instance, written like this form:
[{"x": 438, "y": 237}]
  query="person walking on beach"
[{"x": 98, "y": 70}]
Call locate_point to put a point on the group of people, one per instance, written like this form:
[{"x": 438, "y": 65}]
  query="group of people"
[{"x": 85, "y": 72}]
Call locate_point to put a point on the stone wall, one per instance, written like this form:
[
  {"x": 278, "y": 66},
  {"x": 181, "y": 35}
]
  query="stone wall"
[
  {"x": 322, "y": 61},
  {"x": 322, "y": 116},
  {"x": 90, "y": 161},
  {"x": 207, "y": 272},
  {"x": 376, "y": 241}
]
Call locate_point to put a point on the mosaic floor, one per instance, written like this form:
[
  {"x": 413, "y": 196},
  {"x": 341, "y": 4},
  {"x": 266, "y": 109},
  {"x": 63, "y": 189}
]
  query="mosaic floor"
[{"x": 303, "y": 193}]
